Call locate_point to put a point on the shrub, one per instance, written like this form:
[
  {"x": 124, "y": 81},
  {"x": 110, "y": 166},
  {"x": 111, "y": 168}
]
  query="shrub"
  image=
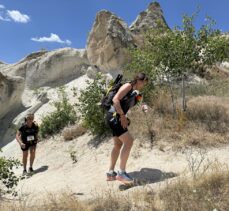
[
  {"x": 64, "y": 115},
  {"x": 8, "y": 180},
  {"x": 89, "y": 106}
]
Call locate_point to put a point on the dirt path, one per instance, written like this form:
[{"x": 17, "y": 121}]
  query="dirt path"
[{"x": 56, "y": 172}]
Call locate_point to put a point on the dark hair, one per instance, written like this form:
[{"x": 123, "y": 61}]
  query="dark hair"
[
  {"x": 139, "y": 76},
  {"x": 29, "y": 114}
]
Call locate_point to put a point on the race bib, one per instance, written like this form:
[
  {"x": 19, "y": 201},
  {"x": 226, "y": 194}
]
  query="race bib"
[{"x": 30, "y": 138}]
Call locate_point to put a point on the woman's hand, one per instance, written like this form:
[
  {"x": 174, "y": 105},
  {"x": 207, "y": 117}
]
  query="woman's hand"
[
  {"x": 145, "y": 108},
  {"x": 22, "y": 145},
  {"x": 124, "y": 121}
]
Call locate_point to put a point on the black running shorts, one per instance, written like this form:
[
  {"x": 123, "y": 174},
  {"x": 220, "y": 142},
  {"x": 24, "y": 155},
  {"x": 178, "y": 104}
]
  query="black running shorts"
[
  {"x": 115, "y": 125},
  {"x": 28, "y": 145}
]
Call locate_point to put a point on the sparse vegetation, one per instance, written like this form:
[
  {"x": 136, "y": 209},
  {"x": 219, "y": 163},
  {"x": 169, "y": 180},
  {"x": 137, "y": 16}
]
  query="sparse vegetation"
[
  {"x": 64, "y": 115},
  {"x": 73, "y": 155},
  {"x": 209, "y": 192},
  {"x": 8, "y": 179}
]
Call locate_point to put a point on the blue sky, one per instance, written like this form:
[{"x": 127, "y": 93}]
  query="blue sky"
[{"x": 27, "y": 26}]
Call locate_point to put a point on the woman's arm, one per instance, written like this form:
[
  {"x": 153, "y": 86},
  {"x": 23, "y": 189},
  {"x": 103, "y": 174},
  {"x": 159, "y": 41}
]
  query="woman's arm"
[
  {"x": 122, "y": 92},
  {"x": 18, "y": 138}
]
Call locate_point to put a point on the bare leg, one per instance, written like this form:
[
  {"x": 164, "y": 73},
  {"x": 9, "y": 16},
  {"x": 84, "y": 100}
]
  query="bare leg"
[
  {"x": 32, "y": 155},
  {"x": 24, "y": 158},
  {"x": 115, "y": 152},
  {"x": 127, "y": 141}
]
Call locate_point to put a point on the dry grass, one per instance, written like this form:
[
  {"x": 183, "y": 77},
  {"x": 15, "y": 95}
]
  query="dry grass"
[
  {"x": 109, "y": 201},
  {"x": 215, "y": 87},
  {"x": 50, "y": 203},
  {"x": 206, "y": 123},
  {"x": 72, "y": 132},
  {"x": 141, "y": 125},
  {"x": 208, "y": 192},
  {"x": 211, "y": 111},
  {"x": 106, "y": 201},
  {"x": 162, "y": 103}
]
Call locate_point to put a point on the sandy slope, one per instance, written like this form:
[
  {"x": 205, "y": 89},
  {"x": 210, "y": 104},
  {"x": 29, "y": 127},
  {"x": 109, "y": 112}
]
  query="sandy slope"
[{"x": 56, "y": 172}]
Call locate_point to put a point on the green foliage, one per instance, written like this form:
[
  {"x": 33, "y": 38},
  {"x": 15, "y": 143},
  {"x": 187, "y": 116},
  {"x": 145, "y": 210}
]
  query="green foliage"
[
  {"x": 64, "y": 115},
  {"x": 8, "y": 180},
  {"x": 172, "y": 54},
  {"x": 89, "y": 106},
  {"x": 73, "y": 156}
]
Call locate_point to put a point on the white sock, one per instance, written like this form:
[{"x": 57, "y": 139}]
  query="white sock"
[
  {"x": 111, "y": 171},
  {"x": 122, "y": 171}
]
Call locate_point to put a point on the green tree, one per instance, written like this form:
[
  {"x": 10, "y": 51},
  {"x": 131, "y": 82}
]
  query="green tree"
[
  {"x": 89, "y": 106},
  {"x": 174, "y": 54}
]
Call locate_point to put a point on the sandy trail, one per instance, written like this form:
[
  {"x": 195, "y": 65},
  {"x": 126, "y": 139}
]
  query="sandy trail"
[{"x": 56, "y": 172}]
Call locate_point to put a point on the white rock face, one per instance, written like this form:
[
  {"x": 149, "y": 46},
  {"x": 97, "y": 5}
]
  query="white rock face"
[
  {"x": 11, "y": 89},
  {"x": 46, "y": 68},
  {"x": 108, "y": 42},
  {"x": 39, "y": 71}
]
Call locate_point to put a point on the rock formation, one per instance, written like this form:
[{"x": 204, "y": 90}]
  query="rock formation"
[
  {"x": 11, "y": 89},
  {"x": 108, "y": 42},
  {"x": 110, "y": 37},
  {"x": 45, "y": 68},
  {"x": 149, "y": 19}
]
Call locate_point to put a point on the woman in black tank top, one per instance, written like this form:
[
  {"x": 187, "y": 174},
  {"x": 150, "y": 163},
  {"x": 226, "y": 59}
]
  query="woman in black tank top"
[
  {"x": 27, "y": 137},
  {"x": 118, "y": 122}
]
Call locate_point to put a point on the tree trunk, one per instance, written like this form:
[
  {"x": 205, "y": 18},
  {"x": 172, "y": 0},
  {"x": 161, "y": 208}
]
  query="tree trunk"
[
  {"x": 172, "y": 96},
  {"x": 183, "y": 94}
]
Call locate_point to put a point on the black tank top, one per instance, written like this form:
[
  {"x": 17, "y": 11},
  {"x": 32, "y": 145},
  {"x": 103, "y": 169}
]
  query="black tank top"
[
  {"x": 128, "y": 101},
  {"x": 29, "y": 134}
]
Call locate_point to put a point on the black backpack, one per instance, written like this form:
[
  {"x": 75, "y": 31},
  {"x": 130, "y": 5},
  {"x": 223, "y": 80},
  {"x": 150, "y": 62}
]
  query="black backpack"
[{"x": 106, "y": 101}]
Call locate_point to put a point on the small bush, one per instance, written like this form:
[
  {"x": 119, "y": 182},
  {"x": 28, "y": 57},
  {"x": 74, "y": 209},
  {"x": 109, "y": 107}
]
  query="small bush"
[
  {"x": 89, "y": 106},
  {"x": 64, "y": 115},
  {"x": 8, "y": 180}
]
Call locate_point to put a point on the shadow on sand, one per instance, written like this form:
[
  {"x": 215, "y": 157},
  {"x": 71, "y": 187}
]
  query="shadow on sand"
[
  {"x": 41, "y": 169},
  {"x": 148, "y": 176}
]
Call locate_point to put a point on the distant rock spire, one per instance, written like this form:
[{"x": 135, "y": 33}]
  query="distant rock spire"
[{"x": 149, "y": 19}]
